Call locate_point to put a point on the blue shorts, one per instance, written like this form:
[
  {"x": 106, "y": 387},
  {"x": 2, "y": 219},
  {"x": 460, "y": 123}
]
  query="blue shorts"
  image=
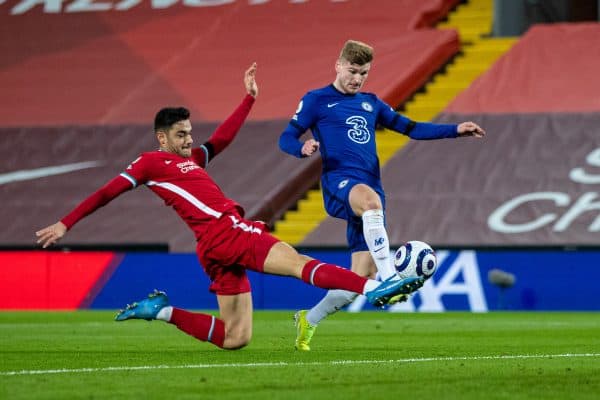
[{"x": 336, "y": 194}]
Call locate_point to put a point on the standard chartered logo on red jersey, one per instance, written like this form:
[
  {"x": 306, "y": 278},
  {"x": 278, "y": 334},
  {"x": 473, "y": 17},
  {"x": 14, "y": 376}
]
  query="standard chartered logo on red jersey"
[{"x": 187, "y": 166}]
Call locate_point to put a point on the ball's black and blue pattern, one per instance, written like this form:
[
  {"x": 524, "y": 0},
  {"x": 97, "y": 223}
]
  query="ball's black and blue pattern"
[{"x": 415, "y": 258}]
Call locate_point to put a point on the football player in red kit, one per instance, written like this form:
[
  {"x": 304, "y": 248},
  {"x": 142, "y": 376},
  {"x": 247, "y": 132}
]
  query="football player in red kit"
[{"x": 228, "y": 244}]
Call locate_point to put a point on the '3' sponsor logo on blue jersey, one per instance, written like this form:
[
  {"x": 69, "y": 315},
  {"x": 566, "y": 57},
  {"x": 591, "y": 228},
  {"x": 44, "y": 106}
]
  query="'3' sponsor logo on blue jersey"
[{"x": 359, "y": 132}]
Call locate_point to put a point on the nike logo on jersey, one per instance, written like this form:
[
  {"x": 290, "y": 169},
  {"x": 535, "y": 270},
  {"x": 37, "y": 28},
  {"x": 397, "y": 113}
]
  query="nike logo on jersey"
[
  {"x": 168, "y": 162},
  {"x": 329, "y": 105}
]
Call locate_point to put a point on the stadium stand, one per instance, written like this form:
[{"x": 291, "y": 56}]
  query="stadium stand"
[
  {"x": 473, "y": 20},
  {"x": 533, "y": 181},
  {"x": 82, "y": 86}
]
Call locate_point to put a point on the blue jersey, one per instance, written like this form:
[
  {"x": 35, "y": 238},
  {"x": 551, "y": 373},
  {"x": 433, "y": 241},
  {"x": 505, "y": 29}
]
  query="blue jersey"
[{"x": 345, "y": 124}]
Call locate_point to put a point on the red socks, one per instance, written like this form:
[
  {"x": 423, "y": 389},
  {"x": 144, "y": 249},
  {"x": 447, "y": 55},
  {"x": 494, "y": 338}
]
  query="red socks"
[
  {"x": 207, "y": 328},
  {"x": 329, "y": 276}
]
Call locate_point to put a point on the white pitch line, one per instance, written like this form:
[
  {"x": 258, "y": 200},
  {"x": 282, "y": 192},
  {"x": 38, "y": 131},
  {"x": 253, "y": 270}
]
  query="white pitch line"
[{"x": 286, "y": 364}]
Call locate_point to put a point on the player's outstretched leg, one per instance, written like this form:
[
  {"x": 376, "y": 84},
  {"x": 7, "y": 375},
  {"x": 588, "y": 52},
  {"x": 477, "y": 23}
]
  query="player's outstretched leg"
[
  {"x": 392, "y": 288},
  {"x": 145, "y": 309},
  {"x": 204, "y": 327},
  {"x": 379, "y": 294},
  {"x": 304, "y": 331}
]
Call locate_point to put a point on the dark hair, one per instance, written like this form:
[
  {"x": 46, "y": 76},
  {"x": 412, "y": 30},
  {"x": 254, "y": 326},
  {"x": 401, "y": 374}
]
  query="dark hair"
[{"x": 168, "y": 116}]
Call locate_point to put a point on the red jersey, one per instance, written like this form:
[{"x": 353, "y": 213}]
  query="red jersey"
[
  {"x": 184, "y": 185},
  {"x": 181, "y": 182}
]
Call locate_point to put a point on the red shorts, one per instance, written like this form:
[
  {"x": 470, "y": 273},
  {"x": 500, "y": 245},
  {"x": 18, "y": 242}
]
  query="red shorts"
[{"x": 231, "y": 245}]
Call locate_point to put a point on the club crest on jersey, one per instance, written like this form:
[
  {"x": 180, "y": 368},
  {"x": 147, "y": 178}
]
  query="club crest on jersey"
[
  {"x": 367, "y": 106},
  {"x": 187, "y": 166},
  {"x": 359, "y": 132}
]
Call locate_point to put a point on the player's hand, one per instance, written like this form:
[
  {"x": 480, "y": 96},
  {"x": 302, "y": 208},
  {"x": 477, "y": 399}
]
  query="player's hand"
[
  {"x": 309, "y": 147},
  {"x": 470, "y": 129},
  {"x": 250, "y": 80},
  {"x": 51, "y": 234}
]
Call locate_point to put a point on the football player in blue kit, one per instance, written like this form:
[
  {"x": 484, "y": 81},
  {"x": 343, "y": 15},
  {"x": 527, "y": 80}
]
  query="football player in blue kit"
[{"x": 343, "y": 120}]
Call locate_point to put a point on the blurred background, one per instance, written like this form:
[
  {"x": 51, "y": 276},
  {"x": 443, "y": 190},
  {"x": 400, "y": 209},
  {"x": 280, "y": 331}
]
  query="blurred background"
[{"x": 514, "y": 218}]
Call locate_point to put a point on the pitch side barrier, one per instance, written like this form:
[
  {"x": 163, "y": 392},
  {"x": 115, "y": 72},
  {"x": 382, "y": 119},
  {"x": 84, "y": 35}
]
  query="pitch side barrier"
[{"x": 477, "y": 279}]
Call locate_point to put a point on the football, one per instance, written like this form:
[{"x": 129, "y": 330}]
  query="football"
[{"x": 415, "y": 259}]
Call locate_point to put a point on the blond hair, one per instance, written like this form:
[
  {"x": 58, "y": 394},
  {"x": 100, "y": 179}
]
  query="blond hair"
[{"x": 357, "y": 52}]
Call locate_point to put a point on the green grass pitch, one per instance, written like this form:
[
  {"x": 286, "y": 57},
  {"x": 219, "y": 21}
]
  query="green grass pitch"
[{"x": 369, "y": 355}]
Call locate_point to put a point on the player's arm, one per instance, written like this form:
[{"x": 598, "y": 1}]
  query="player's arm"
[
  {"x": 289, "y": 140},
  {"x": 136, "y": 173},
  {"x": 228, "y": 129},
  {"x": 421, "y": 130},
  {"x": 53, "y": 233},
  {"x": 427, "y": 130}
]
